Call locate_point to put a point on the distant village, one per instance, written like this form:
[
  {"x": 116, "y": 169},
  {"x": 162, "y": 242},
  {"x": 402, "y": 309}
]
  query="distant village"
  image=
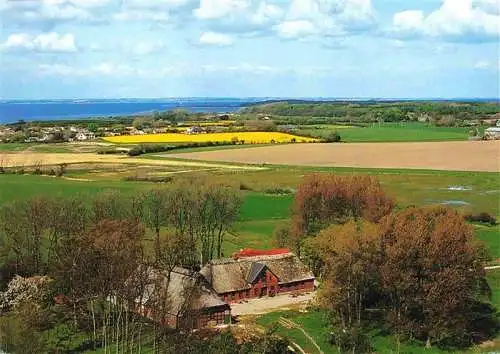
[{"x": 80, "y": 131}]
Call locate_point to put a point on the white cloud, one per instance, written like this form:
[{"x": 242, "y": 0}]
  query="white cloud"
[
  {"x": 482, "y": 64},
  {"x": 51, "y": 42},
  {"x": 46, "y": 13},
  {"x": 214, "y": 38},
  {"x": 458, "y": 20},
  {"x": 326, "y": 18},
  {"x": 101, "y": 69},
  {"x": 146, "y": 48},
  {"x": 296, "y": 29},
  {"x": 214, "y": 9},
  {"x": 487, "y": 65},
  {"x": 151, "y": 10},
  {"x": 142, "y": 15}
]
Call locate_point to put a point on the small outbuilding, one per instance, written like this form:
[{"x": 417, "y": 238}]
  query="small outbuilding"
[
  {"x": 492, "y": 133},
  {"x": 180, "y": 299},
  {"x": 254, "y": 274}
]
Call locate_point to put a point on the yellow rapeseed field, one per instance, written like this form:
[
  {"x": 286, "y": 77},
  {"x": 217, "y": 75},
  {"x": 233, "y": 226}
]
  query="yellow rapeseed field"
[{"x": 247, "y": 137}]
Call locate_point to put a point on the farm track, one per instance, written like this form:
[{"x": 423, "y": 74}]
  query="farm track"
[
  {"x": 28, "y": 159},
  {"x": 479, "y": 156}
]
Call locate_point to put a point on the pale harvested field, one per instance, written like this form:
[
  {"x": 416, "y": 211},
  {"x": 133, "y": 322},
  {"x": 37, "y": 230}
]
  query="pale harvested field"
[
  {"x": 454, "y": 156},
  {"x": 28, "y": 159}
]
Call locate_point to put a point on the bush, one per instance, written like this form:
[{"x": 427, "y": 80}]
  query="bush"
[
  {"x": 332, "y": 138},
  {"x": 61, "y": 171},
  {"x": 155, "y": 179},
  {"x": 151, "y": 148},
  {"x": 279, "y": 191},
  {"x": 481, "y": 217},
  {"x": 110, "y": 151},
  {"x": 245, "y": 187}
]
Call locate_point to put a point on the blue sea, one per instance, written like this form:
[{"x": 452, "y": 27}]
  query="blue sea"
[
  {"x": 29, "y": 110},
  {"x": 13, "y": 111}
]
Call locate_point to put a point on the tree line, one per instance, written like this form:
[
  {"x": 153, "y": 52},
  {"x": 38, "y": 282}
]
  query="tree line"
[
  {"x": 93, "y": 256},
  {"x": 373, "y": 111},
  {"x": 416, "y": 272}
]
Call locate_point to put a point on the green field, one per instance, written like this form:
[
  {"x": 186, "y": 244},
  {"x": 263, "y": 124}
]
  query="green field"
[
  {"x": 391, "y": 132},
  {"x": 261, "y": 213}
]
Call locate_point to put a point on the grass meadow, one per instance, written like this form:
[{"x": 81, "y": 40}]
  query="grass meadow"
[
  {"x": 390, "y": 132},
  {"x": 261, "y": 213}
]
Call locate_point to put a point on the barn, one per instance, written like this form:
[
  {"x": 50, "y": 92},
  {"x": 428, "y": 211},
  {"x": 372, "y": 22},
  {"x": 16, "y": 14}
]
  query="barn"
[
  {"x": 179, "y": 299},
  {"x": 253, "y": 274}
]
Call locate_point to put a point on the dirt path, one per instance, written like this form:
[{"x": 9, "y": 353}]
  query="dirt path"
[
  {"x": 290, "y": 324},
  {"x": 26, "y": 158},
  {"x": 454, "y": 156},
  {"x": 268, "y": 304}
]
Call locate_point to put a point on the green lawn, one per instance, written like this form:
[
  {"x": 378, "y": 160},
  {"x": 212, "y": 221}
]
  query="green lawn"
[
  {"x": 490, "y": 235},
  {"x": 393, "y": 132}
]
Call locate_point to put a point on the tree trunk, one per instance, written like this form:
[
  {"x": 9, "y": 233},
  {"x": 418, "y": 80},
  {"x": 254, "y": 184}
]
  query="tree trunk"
[{"x": 94, "y": 335}]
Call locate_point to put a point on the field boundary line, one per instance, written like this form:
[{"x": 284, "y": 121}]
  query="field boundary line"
[{"x": 290, "y": 324}]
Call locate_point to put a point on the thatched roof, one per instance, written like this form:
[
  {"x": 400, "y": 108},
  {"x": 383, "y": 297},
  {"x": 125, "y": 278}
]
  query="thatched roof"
[
  {"x": 227, "y": 275},
  {"x": 183, "y": 291}
]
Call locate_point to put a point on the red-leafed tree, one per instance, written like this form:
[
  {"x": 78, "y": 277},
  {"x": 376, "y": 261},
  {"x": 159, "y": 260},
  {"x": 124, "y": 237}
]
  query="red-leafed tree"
[
  {"x": 324, "y": 199},
  {"x": 432, "y": 276}
]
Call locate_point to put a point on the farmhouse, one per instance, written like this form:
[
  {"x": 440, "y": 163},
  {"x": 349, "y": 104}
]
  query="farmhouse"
[
  {"x": 85, "y": 135},
  {"x": 179, "y": 299},
  {"x": 492, "y": 133},
  {"x": 194, "y": 130},
  {"x": 253, "y": 273}
]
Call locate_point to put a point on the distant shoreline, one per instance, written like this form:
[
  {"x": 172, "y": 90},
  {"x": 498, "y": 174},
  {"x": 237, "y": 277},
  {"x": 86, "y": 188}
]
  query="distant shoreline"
[{"x": 12, "y": 111}]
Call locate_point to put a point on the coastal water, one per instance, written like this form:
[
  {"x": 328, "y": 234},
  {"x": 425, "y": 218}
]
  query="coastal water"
[{"x": 12, "y": 111}]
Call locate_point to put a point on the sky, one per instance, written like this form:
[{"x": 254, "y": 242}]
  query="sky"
[{"x": 249, "y": 48}]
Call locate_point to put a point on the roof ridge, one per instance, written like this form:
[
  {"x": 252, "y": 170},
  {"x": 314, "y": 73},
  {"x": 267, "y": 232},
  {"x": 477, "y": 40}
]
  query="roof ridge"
[{"x": 222, "y": 261}]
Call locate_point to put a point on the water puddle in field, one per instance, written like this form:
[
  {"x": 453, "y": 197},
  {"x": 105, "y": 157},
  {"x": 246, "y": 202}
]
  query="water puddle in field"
[
  {"x": 459, "y": 188},
  {"x": 454, "y": 202},
  {"x": 490, "y": 192},
  {"x": 448, "y": 202}
]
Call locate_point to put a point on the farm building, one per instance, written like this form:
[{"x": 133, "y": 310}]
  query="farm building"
[
  {"x": 492, "y": 133},
  {"x": 194, "y": 130},
  {"x": 182, "y": 299},
  {"x": 252, "y": 274},
  {"x": 85, "y": 135}
]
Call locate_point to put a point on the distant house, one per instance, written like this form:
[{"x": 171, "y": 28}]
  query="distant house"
[
  {"x": 492, "y": 133},
  {"x": 424, "y": 118},
  {"x": 194, "y": 130},
  {"x": 190, "y": 302},
  {"x": 84, "y": 135},
  {"x": 253, "y": 274}
]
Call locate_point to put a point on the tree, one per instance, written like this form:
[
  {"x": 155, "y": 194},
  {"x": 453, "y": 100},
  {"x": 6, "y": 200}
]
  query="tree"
[
  {"x": 432, "y": 276},
  {"x": 325, "y": 199},
  {"x": 351, "y": 256},
  {"x": 155, "y": 216},
  {"x": 92, "y": 127},
  {"x": 201, "y": 214}
]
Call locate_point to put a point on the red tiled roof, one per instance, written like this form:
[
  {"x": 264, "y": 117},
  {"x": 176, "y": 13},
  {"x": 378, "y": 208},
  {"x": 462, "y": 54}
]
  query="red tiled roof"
[{"x": 248, "y": 252}]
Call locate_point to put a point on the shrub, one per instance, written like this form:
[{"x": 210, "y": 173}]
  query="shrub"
[
  {"x": 61, "y": 171},
  {"x": 110, "y": 151},
  {"x": 245, "y": 187},
  {"x": 483, "y": 217},
  {"x": 155, "y": 179},
  {"x": 279, "y": 190},
  {"x": 332, "y": 138}
]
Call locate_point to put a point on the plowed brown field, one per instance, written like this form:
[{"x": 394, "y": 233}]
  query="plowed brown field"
[{"x": 455, "y": 156}]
